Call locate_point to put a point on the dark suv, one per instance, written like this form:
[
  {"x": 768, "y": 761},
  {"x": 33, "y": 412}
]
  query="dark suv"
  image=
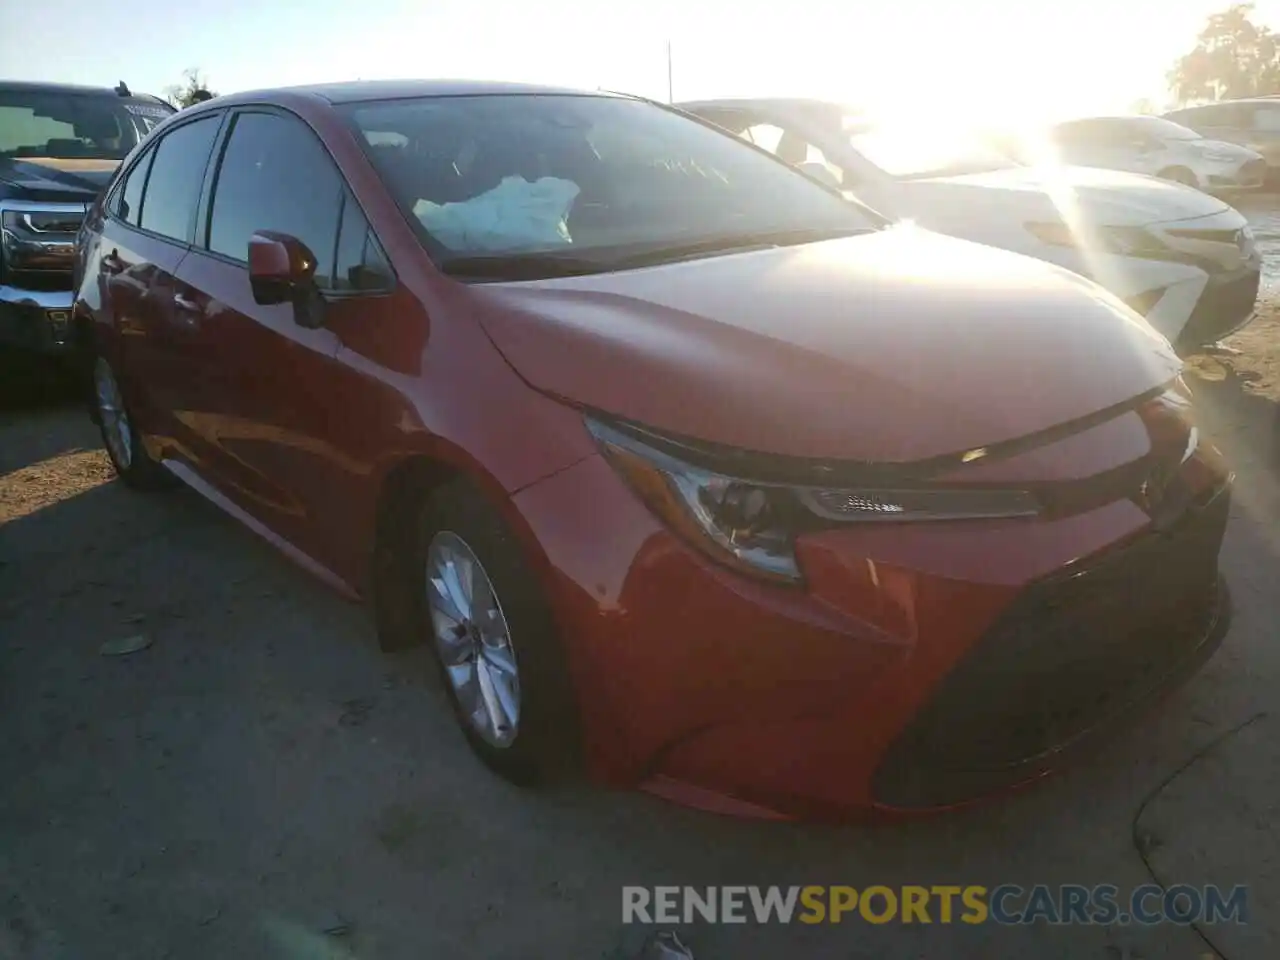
[{"x": 59, "y": 145}]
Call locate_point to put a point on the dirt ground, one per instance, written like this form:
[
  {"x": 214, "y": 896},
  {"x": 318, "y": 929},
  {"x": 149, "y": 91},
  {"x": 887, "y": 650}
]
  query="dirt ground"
[{"x": 260, "y": 782}]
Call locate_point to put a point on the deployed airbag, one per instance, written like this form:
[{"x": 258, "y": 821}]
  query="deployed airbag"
[{"x": 514, "y": 215}]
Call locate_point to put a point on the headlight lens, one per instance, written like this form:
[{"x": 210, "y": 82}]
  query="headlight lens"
[
  {"x": 1218, "y": 156},
  {"x": 1124, "y": 241},
  {"x": 751, "y": 525}
]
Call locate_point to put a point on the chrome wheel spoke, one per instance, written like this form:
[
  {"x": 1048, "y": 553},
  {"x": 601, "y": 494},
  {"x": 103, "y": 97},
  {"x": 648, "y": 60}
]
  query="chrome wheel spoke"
[
  {"x": 496, "y": 714},
  {"x": 500, "y": 659},
  {"x": 443, "y": 600}
]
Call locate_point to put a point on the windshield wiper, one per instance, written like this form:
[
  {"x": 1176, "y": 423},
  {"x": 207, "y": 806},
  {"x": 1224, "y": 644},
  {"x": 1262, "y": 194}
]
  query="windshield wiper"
[
  {"x": 522, "y": 266},
  {"x": 538, "y": 266},
  {"x": 734, "y": 243}
]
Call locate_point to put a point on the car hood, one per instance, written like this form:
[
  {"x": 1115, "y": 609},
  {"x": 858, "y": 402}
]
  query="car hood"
[
  {"x": 890, "y": 347},
  {"x": 55, "y": 179},
  {"x": 1101, "y": 197}
]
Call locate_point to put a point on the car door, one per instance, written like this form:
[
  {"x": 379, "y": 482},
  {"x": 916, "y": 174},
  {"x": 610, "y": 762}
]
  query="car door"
[
  {"x": 145, "y": 236},
  {"x": 269, "y": 391}
]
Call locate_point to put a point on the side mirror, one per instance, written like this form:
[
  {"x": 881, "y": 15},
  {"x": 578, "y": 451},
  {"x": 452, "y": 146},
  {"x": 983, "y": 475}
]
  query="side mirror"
[
  {"x": 820, "y": 172},
  {"x": 282, "y": 270}
]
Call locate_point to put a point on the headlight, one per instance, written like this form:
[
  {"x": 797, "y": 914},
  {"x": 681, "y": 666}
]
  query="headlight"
[
  {"x": 1124, "y": 241},
  {"x": 1219, "y": 156},
  {"x": 751, "y": 525}
]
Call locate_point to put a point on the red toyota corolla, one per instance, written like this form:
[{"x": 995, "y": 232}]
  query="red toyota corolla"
[{"x": 689, "y": 469}]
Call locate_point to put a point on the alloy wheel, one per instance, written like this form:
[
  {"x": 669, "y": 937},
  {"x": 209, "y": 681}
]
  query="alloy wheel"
[
  {"x": 116, "y": 431},
  {"x": 473, "y": 640}
]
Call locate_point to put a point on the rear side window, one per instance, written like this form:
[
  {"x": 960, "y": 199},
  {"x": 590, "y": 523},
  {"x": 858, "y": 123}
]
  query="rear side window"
[
  {"x": 275, "y": 175},
  {"x": 129, "y": 207},
  {"x": 173, "y": 189}
]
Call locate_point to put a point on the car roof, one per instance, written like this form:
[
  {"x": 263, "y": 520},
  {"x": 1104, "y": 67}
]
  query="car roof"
[
  {"x": 29, "y": 86},
  {"x": 362, "y": 90}
]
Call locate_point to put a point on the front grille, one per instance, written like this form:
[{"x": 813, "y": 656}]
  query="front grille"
[
  {"x": 1222, "y": 308},
  {"x": 1069, "y": 653}
]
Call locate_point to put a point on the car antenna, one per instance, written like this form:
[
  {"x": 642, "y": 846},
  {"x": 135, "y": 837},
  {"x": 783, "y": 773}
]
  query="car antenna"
[{"x": 123, "y": 89}]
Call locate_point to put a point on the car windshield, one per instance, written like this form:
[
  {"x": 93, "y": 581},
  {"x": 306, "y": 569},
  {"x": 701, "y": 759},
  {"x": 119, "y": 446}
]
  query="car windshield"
[
  {"x": 581, "y": 183},
  {"x": 71, "y": 126},
  {"x": 915, "y": 152},
  {"x": 1163, "y": 129}
]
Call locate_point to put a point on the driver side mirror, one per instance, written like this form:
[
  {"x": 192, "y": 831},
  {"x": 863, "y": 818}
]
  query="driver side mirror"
[{"x": 283, "y": 270}]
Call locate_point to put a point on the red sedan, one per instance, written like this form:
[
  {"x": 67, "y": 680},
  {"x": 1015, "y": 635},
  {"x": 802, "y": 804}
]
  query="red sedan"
[{"x": 689, "y": 469}]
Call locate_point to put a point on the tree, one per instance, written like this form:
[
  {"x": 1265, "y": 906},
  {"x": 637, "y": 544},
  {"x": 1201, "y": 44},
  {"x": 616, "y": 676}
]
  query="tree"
[
  {"x": 193, "y": 89},
  {"x": 1233, "y": 57}
]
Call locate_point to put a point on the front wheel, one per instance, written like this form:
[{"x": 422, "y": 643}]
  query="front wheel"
[
  {"x": 494, "y": 638},
  {"x": 120, "y": 435}
]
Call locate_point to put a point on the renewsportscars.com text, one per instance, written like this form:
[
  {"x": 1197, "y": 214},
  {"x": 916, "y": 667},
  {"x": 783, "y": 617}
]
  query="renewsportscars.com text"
[{"x": 967, "y": 904}]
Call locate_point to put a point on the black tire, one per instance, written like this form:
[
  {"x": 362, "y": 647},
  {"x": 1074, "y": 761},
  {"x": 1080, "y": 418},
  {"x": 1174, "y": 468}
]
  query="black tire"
[
  {"x": 545, "y": 745},
  {"x": 135, "y": 467},
  {"x": 1180, "y": 175}
]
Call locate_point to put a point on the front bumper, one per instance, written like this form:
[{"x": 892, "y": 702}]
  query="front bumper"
[
  {"x": 745, "y": 697},
  {"x": 36, "y": 320},
  {"x": 1251, "y": 175},
  {"x": 1226, "y": 305}
]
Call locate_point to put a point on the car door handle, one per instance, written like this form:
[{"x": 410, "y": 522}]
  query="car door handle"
[
  {"x": 185, "y": 304},
  {"x": 112, "y": 263}
]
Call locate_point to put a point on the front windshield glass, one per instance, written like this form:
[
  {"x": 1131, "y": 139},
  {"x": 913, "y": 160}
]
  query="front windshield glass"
[
  {"x": 68, "y": 126},
  {"x": 1164, "y": 129},
  {"x": 592, "y": 177},
  {"x": 916, "y": 152}
]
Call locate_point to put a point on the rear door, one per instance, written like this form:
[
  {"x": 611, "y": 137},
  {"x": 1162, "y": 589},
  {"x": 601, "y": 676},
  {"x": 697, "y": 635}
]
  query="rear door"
[
  {"x": 270, "y": 395},
  {"x": 145, "y": 236}
]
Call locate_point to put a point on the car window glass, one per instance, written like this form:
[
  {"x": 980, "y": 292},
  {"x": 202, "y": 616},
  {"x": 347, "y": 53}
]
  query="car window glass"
[
  {"x": 275, "y": 175},
  {"x": 173, "y": 188},
  {"x": 764, "y": 135},
  {"x": 129, "y": 205},
  {"x": 360, "y": 264},
  {"x": 1267, "y": 119},
  {"x": 599, "y": 173}
]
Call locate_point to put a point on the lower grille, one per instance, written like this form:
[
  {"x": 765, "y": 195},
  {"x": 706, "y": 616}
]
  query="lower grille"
[
  {"x": 1255, "y": 171},
  {"x": 1222, "y": 308},
  {"x": 1070, "y": 653}
]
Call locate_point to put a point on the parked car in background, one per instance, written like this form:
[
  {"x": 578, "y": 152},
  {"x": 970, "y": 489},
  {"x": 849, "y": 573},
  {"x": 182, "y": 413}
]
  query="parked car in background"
[
  {"x": 671, "y": 453},
  {"x": 1185, "y": 261},
  {"x": 1252, "y": 123},
  {"x": 1150, "y": 145},
  {"x": 59, "y": 145}
]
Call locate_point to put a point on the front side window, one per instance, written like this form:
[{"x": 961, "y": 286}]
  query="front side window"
[
  {"x": 129, "y": 207},
  {"x": 37, "y": 124},
  {"x": 177, "y": 171},
  {"x": 275, "y": 175},
  {"x": 592, "y": 176},
  {"x": 917, "y": 152}
]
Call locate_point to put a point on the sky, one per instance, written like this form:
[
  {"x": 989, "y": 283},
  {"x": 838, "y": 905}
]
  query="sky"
[{"x": 1017, "y": 61}]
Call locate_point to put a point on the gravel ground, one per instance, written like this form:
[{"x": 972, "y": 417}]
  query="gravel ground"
[{"x": 260, "y": 782}]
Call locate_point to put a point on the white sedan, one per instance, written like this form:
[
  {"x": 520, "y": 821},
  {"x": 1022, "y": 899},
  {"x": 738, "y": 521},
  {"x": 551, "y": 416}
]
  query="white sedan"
[
  {"x": 1184, "y": 260},
  {"x": 1154, "y": 146}
]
